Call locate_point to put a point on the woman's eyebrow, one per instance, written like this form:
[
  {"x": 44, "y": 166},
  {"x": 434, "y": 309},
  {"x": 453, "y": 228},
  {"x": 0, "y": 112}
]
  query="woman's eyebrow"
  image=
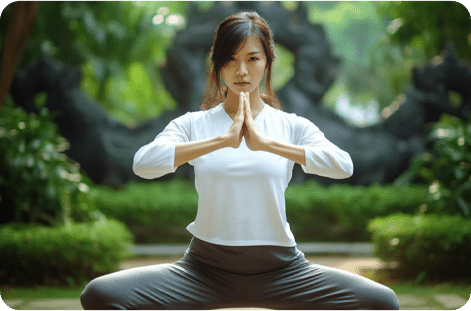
[{"x": 250, "y": 53}]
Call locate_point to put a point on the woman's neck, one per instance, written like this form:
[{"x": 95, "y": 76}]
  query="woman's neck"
[{"x": 231, "y": 103}]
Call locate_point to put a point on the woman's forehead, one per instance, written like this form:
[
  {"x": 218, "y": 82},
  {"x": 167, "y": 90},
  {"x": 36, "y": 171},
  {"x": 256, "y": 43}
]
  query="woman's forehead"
[{"x": 249, "y": 46}]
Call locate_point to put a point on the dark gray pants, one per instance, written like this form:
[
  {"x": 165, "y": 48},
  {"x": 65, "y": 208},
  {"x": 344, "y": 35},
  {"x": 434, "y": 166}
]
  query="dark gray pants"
[{"x": 213, "y": 276}]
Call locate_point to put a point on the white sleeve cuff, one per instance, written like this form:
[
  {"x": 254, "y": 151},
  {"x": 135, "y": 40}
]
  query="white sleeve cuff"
[
  {"x": 154, "y": 160},
  {"x": 328, "y": 163}
]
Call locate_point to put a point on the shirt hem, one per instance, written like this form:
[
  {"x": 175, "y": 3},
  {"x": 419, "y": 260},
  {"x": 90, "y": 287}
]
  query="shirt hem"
[{"x": 246, "y": 242}]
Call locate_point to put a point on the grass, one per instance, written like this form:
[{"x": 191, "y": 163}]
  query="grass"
[
  {"x": 424, "y": 290},
  {"x": 40, "y": 292}
]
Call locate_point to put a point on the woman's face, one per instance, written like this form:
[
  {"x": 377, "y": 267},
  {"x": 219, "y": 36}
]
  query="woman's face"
[{"x": 245, "y": 70}]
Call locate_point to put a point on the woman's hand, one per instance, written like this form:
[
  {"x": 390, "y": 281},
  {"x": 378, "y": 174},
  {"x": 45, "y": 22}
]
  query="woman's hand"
[
  {"x": 234, "y": 135},
  {"x": 253, "y": 137}
]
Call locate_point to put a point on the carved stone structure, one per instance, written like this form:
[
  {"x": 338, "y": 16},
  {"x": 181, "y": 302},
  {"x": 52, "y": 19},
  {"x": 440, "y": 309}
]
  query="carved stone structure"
[
  {"x": 102, "y": 146},
  {"x": 105, "y": 148}
]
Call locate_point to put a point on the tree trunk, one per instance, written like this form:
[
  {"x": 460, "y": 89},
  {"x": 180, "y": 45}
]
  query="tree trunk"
[{"x": 20, "y": 23}]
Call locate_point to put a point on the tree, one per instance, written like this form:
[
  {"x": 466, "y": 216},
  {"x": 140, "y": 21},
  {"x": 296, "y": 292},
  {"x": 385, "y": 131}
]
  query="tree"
[
  {"x": 118, "y": 45},
  {"x": 428, "y": 25},
  {"x": 416, "y": 33},
  {"x": 18, "y": 28}
]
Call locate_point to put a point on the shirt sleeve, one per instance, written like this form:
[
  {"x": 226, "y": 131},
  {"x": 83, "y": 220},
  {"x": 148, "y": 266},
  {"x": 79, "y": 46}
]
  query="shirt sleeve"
[
  {"x": 157, "y": 158},
  {"x": 323, "y": 158}
]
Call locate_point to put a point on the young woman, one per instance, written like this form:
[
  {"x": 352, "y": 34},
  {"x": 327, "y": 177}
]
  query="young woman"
[{"x": 243, "y": 148}]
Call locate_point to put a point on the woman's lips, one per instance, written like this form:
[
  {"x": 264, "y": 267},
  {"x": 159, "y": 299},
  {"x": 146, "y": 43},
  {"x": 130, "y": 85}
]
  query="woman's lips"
[{"x": 241, "y": 83}]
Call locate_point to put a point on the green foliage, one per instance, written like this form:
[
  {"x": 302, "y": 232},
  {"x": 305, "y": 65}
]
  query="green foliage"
[
  {"x": 341, "y": 212},
  {"x": 426, "y": 26},
  {"x": 424, "y": 246},
  {"x": 65, "y": 255},
  {"x": 353, "y": 29},
  {"x": 158, "y": 212},
  {"x": 38, "y": 182},
  {"x": 112, "y": 42},
  {"x": 447, "y": 168},
  {"x": 416, "y": 33}
]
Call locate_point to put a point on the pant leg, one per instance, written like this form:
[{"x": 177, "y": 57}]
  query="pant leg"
[
  {"x": 304, "y": 285},
  {"x": 211, "y": 276},
  {"x": 180, "y": 285}
]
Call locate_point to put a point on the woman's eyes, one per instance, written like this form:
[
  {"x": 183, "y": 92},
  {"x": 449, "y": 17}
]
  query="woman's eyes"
[{"x": 251, "y": 59}]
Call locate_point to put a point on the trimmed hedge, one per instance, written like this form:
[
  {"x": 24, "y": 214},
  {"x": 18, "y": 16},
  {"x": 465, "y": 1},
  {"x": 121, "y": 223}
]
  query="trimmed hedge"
[
  {"x": 158, "y": 212},
  {"x": 155, "y": 212},
  {"x": 341, "y": 212},
  {"x": 433, "y": 247},
  {"x": 64, "y": 255}
]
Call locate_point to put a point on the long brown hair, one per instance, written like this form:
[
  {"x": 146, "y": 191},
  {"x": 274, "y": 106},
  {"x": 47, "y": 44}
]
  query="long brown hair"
[{"x": 230, "y": 34}]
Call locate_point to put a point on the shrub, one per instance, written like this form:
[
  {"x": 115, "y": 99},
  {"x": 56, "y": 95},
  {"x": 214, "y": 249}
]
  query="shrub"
[
  {"x": 424, "y": 246},
  {"x": 158, "y": 212},
  {"x": 38, "y": 182},
  {"x": 66, "y": 255},
  {"x": 341, "y": 212},
  {"x": 446, "y": 168}
]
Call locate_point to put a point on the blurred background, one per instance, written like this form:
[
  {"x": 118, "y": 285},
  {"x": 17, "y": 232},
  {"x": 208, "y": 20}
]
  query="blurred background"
[{"x": 84, "y": 84}]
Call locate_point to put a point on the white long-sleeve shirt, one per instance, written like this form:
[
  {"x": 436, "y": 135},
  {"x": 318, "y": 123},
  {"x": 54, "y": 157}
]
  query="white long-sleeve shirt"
[{"x": 240, "y": 191}]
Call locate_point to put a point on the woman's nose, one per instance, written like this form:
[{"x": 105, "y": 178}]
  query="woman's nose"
[{"x": 241, "y": 69}]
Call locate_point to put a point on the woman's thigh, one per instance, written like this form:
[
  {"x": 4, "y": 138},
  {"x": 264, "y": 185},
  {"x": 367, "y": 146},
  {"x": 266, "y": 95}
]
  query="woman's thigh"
[
  {"x": 191, "y": 284},
  {"x": 304, "y": 285},
  {"x": 164, "y": 286}
]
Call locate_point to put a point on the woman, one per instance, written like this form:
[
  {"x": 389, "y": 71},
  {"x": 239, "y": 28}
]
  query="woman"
[{"x": 243, "y": 148}]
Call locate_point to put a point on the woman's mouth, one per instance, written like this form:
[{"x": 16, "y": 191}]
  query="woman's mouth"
[{"x": 241, "y": 83}]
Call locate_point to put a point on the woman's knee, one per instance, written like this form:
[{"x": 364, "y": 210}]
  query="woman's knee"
[
  {"x": 97, "y": 295},
  {"x": 390, "y": 301},
  {"x": 381, "y": 298}
]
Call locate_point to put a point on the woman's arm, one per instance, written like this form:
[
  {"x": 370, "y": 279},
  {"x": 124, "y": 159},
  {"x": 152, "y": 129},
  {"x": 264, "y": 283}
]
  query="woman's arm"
[
  {"x": 186, "y": 152},
  {"x": 191, "y": 150},
  {"x": 172, "y": 147},
  {"x": 312, "y": 150},
  {"x": 292, "y": 152}
]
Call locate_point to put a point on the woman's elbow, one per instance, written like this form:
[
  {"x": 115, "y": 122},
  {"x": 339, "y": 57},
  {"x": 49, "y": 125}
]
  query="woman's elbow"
[
  {"x": 141, "y": 172},
  {"x": 347, "y": 167},
  {"x": 344, "y": 168},
  {"x": 151, "y": 172},
  {"x": 348, "y": 171}
]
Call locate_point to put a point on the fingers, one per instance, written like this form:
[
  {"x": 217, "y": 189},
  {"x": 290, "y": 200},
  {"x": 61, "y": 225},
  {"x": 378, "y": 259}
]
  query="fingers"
[
  {"x": 241, "y": 108},
  {"x": 248, "y": 111}
]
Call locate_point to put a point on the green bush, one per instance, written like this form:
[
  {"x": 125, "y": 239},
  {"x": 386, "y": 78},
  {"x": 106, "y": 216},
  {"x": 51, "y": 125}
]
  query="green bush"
[
  {"x": 446, "y": 168},
  {"x": 38, "y": 182},
  {"x": 158, "y": 212},
  {"x": 65, "y": 255},
  {"x": 435, "y": 247},
  {"x": 341, "y": 212}
]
